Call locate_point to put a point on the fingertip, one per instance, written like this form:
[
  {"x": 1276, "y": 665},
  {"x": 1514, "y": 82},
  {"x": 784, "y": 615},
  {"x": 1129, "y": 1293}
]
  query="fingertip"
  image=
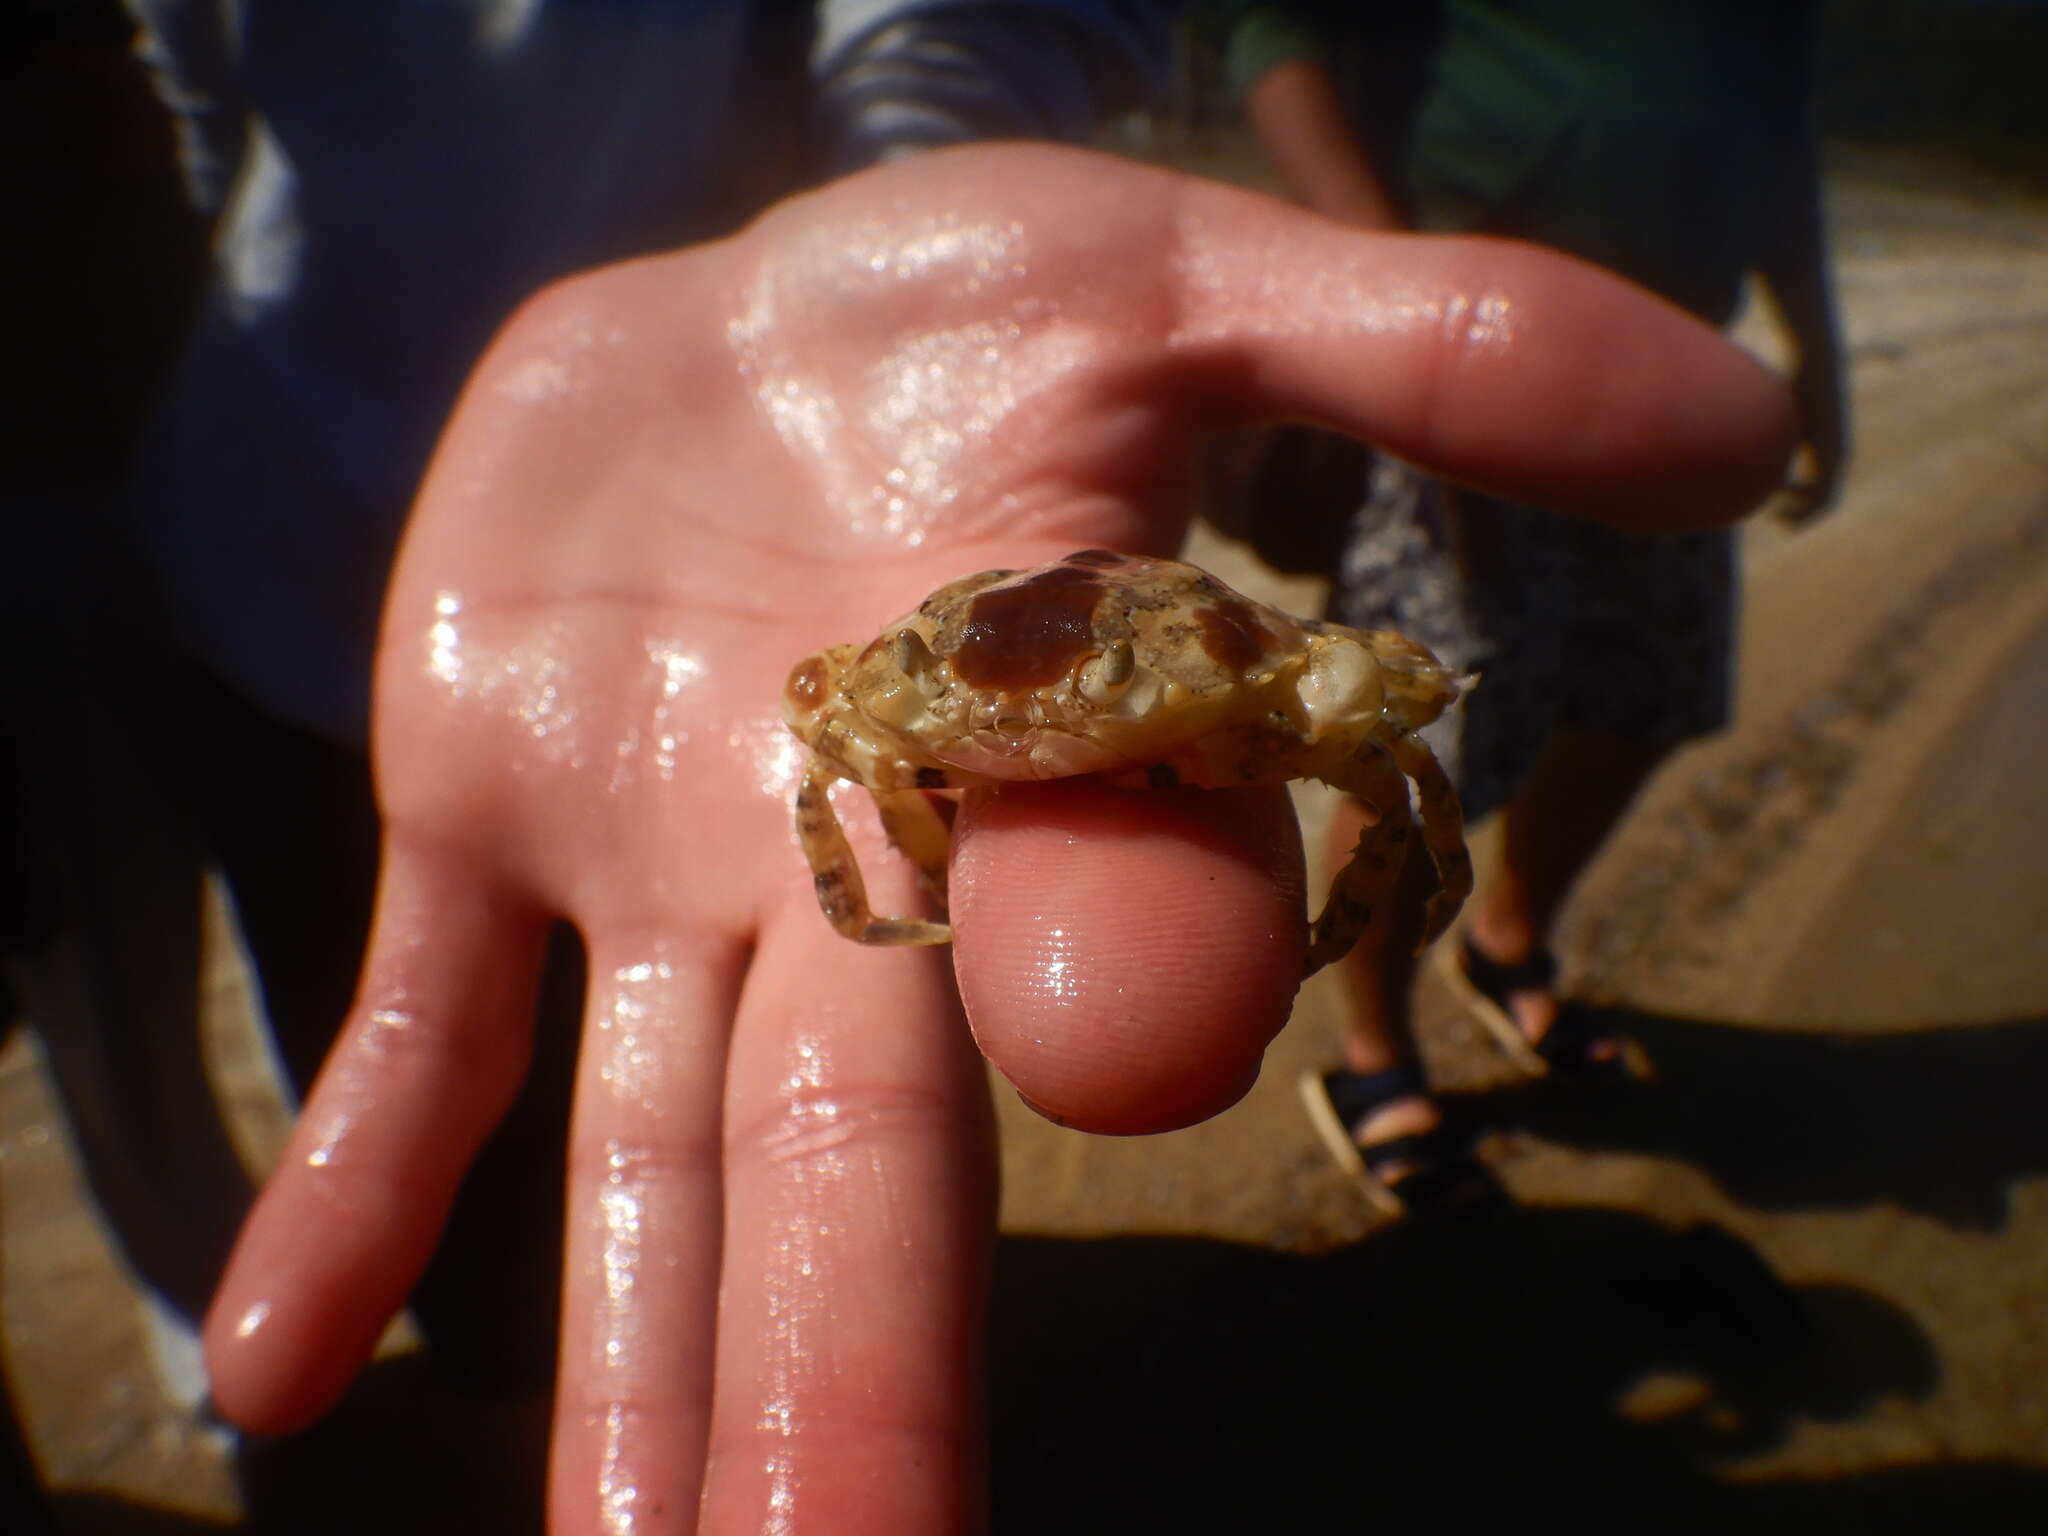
[
  {"x": 1158, "y": 1110},
  {"x": 273, "y": 1367},
  {"x": 1126, "y": 956}
]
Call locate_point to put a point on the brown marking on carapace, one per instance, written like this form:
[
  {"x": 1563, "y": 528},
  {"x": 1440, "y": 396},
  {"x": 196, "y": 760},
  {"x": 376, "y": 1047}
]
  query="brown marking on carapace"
[
  {"x": 1029, "y": 633},
  {"x": 931, "y": 778},
  {"x": 806, "y": 687},
  {"x": 949, "y": 594},
  {"x": 1097, "y": 557},
  {"x": 1231, "y": 632}
]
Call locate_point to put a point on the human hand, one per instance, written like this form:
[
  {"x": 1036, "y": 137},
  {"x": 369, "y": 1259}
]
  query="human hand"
[
  {"x": 666, "y": 482},
  {"x": 1822, "y": 459}
]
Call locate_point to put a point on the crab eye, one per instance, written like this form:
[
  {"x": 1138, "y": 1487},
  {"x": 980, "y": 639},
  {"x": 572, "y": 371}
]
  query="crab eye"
[
  {"x": 807, "y": 685},
  {"x": 1106, "y": 675},
  {"x": 911, "y": 656}
]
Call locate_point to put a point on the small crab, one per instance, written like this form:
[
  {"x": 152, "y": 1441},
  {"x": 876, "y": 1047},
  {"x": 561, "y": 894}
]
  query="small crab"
[{"x": 1148, "y": 673}]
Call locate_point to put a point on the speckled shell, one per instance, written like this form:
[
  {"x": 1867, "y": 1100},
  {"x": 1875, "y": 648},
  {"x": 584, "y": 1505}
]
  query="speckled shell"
[{"x": 1099, "y": 663}]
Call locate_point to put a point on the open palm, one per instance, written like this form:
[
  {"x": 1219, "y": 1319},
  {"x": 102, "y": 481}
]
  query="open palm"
[{"x": 666, "y": 482}]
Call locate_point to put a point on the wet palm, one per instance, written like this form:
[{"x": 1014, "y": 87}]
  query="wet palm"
[{"x": 666, "y": 481}]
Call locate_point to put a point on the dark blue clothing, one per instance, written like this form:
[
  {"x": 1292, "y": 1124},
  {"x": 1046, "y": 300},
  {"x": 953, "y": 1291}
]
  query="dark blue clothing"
[{"x": 391, "y": 179}]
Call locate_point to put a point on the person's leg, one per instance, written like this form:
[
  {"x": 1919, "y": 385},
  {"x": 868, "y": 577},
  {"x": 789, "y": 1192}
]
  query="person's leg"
[
  {"x": 1581, "y": 783},
  {"x": 1612, "y": 650},
  {"x": 1378, "y": 976},
  {"x": 1375, "y": 1112},
  {"x": 1402, "y": 571}
]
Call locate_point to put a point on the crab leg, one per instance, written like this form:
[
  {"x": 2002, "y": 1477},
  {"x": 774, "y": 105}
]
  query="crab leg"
[
  {"x": 841, "y": 892},
  {"x": 1362, "y": 889},
  {"x": 915, "y": 826},
  {"x": 1443, "y": 831}
]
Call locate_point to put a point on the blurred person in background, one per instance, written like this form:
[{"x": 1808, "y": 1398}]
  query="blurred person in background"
[{"x": 1673, "y": 145}]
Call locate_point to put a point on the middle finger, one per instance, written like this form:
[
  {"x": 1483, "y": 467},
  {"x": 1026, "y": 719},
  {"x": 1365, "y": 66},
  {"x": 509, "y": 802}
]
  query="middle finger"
[
  {"x": 860, "y": 1212},
  {"x": 644, "y": 1213}
]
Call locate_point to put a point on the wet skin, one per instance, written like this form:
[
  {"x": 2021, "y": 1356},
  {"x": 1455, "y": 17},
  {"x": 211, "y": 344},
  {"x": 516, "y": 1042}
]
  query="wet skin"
[{"x": 665, "y": 482}]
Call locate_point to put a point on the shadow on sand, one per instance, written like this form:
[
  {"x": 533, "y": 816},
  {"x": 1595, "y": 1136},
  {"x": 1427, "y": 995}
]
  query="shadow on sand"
[
  {"x": 1938, "y": 1121},
  {"x": 1564, "y": 1359},
  {"x": 1591, "y": 1363}
]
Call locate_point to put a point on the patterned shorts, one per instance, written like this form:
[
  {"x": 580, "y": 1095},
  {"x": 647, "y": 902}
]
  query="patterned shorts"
[{"x": 1567, "y": 622}]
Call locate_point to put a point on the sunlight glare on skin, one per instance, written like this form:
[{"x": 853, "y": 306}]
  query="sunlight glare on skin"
[
  {"x": 535, "y": 379},
  {"x": 775, "y": 758},
  {"x": 386, "y": 1023},
  {"x": 631, "y": 1062},
  {"x": 890, "y": 474},
  {"x": 252, "y": 1320},
  {"x": 629, "y": 1275},
  {"x": 618, "y": 1492},
  {"x": 335, "y": 1127},
  {"x": 933, "y": 398},
  {"x": 1495, "y": 321},
  {"x": 808, "y": 1150},
  {"x": 676, "y": 667},
  {"x": 527, "y": 680},
  {"x": 544, "y": 707},
  {"x": 1338, "y": 298},
  {"x": 802, "y": 409},
  {"x": 625, "y": 1244},
  {"x": 940, "y": 398},
  {"x": 970, "y": 254},
  {"x": 556, "y": 360},
  {"x": 1055, "y": 981},
  {"x": 340, "y": 1106},
  {"x": 444, "y": 642},
  {"x": 1058, "y": 978}
]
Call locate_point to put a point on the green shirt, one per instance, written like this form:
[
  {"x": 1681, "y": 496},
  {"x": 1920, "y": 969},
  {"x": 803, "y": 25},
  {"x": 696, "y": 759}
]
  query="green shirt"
[{"x": 1640, "y": 134}]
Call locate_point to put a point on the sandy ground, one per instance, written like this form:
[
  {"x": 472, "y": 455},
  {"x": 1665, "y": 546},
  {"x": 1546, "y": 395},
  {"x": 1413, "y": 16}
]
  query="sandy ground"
[{"x": 1798, "y": 1281}]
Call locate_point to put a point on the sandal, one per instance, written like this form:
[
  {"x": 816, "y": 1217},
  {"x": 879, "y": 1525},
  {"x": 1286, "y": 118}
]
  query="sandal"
[
  {"x": 1575, "y": 1045},
  {"x": 1426, "y": 1174}
]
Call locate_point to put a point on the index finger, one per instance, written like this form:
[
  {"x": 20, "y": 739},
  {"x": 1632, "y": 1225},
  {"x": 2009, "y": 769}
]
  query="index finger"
[{"x": 1126, "y": 956}]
